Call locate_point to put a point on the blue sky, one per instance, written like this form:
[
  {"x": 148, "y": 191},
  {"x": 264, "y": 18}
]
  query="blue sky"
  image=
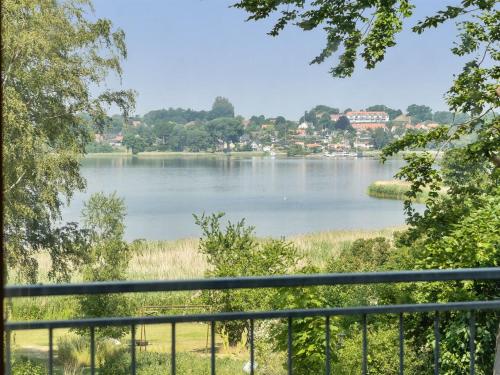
[{"x": 184, "y": 53}]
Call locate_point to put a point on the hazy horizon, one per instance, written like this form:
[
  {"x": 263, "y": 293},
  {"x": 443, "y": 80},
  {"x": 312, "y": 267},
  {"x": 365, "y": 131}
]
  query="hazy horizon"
[{"x": 185, "y": 53}]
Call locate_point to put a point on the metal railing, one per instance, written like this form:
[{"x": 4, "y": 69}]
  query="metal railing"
[{"x": 479, "y": 274}]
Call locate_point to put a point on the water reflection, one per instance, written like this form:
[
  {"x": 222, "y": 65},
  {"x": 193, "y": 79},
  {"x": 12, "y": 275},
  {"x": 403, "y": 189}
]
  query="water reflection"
[{"x": 278, "y": 196}]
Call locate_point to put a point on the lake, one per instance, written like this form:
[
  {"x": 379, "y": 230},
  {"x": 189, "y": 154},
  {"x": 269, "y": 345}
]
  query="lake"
[{"x": 280, "y": 197}]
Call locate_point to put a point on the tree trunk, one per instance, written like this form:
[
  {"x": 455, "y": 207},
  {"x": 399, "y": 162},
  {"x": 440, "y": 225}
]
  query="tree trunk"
[{"x": 496, "y": 369}]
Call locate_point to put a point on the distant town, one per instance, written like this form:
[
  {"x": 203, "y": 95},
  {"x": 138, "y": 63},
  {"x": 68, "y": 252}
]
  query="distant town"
[{"x": 321, "y": 130}]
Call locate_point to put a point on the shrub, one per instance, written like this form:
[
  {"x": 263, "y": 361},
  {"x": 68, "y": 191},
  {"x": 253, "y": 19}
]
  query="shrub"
[
  {"x": 234, "y": 251},
  {"x": 98, "y": 147},
  {"x": 115, "y": 362},
  {"x": 73, "y": 354},
  {"x": 108, "y": 260},
  {"x": 308, "y": 334},
  {"x": 25, "y": 366},
  {"x": 383, "y": 353}
]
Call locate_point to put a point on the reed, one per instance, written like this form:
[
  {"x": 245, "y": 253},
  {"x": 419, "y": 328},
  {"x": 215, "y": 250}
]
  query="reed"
[
  {"x": 180, "y": 259},
  {"x": 394, "y": 189}
]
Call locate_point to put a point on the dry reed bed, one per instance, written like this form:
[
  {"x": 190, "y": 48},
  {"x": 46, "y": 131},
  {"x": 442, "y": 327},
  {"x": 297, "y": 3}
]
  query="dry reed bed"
[{"x": 180, "y": 259}]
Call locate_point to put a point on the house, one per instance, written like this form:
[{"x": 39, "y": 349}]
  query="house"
[
  {"x": 302, "y": 129},
  {"x": 335, "y": 116},
  {"x": 98, "y": 138},
  {"x": 314, "y": 146},
  {"x": 117, "y": 140},
  {"x": 426, "y": 125},
  {"x": 255, "y": 146},
  {"x": 363, "y": 142},
  {"x": 359, "y": 117},
  {"x": 364, "y": 126}
]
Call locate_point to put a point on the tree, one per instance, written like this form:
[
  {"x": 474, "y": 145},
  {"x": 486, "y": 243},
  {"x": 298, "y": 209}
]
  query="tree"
[
  {"x": 393, "y": 113},
  {"x": 325, "y": 123},
  {"x": 222, "y": 107},
  {"x": 443, "y": 117},
  {"x": 343, "y": 123},
  {"x": 163, "y": 130},
  {"x": 235, "y": 251},
  {"x": 197, "y": 138},
  {"x": 419, "y": 113},
  {"x": 320, "y": 109},
  {"x": 103, "y": 218},
  {"x": 55, "y": 58},
  {"x": 177, "y": 115},
  {"x": 134, "y": 143},
  {"x": 309, "y": 117},
  {"x": 372, "y": 28},
  {"x": 380, "y": 138},
  {"x": 225, "y": 130}
]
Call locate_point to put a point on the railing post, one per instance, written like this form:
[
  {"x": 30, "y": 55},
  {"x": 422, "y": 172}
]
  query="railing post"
[
  {"x": 51, "y": 352},
  {"x": 401, "y": 344},
  {"x": 7, "y": 352},
  {"x": 212, "y": 347},
  {"x": 472, "y": 344},
  {"x": 252, "y": 348},
  {"x": 132, "y": 353},
  {"x": 173, "y": 350},
  {"x": 290, "y": 346},
  {"x": 327, "y": 349},
  {"x": 92, "y": 350},
  {"x": 364, "y": 365},
  {"x": 437, "y": 341}
]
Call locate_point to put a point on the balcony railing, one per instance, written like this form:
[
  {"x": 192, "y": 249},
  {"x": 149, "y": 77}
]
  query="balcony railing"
[{"x": 491, "y": 274}]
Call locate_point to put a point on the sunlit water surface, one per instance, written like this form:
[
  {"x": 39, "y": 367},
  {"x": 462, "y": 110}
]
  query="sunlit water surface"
[{"x": 279, "y": 197}]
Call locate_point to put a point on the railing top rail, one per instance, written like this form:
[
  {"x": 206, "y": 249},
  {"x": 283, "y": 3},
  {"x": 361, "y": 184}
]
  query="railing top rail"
[
  {"x": 252, "y": 282},
  {"x": 245, "y": 315}
]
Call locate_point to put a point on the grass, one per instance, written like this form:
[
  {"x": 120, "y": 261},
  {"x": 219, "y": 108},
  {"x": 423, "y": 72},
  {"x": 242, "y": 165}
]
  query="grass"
[
  {"x": 393, "y": 189},
  {"x": 189, "y": 337},
  {"x": 180, "y": 259},
  {"x": 159, "y": 260}
]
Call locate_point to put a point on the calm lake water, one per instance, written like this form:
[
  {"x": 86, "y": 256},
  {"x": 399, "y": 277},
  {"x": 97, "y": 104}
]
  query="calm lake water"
[{"x": 279, "y": 197}]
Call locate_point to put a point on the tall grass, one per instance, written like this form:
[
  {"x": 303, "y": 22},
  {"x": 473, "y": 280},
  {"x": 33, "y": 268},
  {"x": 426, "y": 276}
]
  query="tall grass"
[
  {"x": 318, "y": 248},
  {"x": 180, "y": 259},
  {"x": 393, "y": 189},
  {"x": 160, "y": 260}
]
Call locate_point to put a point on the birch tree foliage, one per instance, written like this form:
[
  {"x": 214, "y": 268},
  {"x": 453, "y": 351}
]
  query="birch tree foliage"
[{"x": 56, "y": 56}]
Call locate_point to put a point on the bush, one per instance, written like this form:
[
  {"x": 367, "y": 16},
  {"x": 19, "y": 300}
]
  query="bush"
[
  {"x": 308, "y": 334},
  {"x": 234, "y": 251},
  {"x": 115, "y": 362},
  {"x": 73, "y": 354},
  {"x": 108, "y": 260},
  {"x": 25, "y": 366},
  {"x": 383, "y": 353},
  {"x": 96, "y": 147}
]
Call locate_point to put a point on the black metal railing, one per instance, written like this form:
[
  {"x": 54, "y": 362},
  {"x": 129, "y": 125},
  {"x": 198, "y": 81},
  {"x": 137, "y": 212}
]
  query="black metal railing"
[{"x": 492, "y": 274}]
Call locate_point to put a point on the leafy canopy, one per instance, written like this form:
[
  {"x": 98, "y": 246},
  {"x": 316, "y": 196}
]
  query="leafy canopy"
[
  {"x": 108, "y": 258},
  {"x": 53, "y": 53}
]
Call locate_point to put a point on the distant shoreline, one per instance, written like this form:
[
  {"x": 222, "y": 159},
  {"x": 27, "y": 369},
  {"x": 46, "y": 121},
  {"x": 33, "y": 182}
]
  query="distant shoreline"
[
  {"x": 179, "y": 153},
  {"x": 373, "y": 154}
]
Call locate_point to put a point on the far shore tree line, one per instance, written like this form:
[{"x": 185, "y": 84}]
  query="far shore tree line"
[{"x": 179, "y": 129}]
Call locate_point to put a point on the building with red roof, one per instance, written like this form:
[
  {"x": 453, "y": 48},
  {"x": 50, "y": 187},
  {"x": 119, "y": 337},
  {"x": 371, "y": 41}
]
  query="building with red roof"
[
  {"x": 367, "y": 116},
  {"x": 368, "y": 126}
]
